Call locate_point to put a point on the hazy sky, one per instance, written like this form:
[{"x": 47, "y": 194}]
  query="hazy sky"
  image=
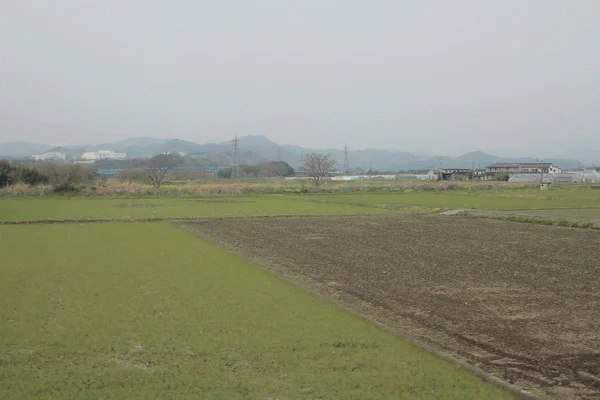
[{"x": 441, "y": 77}]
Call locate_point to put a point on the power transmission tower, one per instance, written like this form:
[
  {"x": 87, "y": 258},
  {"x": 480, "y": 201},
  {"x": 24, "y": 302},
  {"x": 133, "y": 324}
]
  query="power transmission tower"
[
  {"x": 235, "y": 158},
  {"x": 346, "y": 167}
]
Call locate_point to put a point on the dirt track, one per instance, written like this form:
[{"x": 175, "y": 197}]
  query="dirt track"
[{"x": 520, "y": 301}]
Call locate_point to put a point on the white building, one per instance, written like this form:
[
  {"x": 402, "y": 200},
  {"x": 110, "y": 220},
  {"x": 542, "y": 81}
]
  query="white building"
[
  {"x": 52, "y": 155},
  {"x": 553, "y": 169},
  {"x": 103, "y": 155}
]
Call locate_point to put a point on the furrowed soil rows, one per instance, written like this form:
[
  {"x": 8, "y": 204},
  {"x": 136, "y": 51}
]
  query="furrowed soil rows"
[{"x": 520, "y": 301}]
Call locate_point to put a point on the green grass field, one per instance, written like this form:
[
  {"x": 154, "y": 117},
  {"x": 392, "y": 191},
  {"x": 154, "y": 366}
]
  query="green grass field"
[
  {"x": 148, "y": 310},
  {"x": 515, "y": 199},
  {"x": 27, "y": 208},
  {"x": 41, "y": 208}
]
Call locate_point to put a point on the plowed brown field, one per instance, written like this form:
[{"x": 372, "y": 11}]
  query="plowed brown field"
[{"x": 520, "y": 301}]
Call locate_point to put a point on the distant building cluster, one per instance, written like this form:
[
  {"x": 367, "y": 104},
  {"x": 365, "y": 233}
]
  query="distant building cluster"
[
  {"x": 522, "y": 168},
  {"x": 496, "y": 170},
  {"x": 103, "y": 155},
  {"x": 52, "y": 155},
  {"x": 526, "y": 172},
  {"x": 85, "y": 158}
]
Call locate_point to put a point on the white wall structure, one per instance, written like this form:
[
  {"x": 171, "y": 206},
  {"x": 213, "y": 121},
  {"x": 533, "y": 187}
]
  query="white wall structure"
[
  {"x": 556, "y": 177},
  {"x": 103, "y": 155},
  {"x": 52, "y": 155},
  {"x": 590, "y": 177}
]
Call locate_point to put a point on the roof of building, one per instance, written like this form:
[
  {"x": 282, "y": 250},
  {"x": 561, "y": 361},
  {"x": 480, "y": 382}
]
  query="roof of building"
[
  {"x": 504, "y": 165},
  {"x": 532, "y": 165},
  {"x": 519, "y": 165}
]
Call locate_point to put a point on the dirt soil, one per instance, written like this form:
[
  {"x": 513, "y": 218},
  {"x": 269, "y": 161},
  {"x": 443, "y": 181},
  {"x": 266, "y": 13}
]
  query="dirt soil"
[{"x": 520, "y": 301}]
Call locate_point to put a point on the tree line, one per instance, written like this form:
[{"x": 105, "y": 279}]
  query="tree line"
[
  {"x": 163, "y": 168},
  {"x": 154, "y": 171},
  {"x": 49, "y": 173},
  {"x": 263, "y": 170}
]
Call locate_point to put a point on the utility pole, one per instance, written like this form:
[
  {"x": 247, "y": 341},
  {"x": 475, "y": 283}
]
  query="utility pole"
[
  {"x": 541, "y": 171},
  {"x": 235, "y": 158},
  {"x": 346, "y": 168}
]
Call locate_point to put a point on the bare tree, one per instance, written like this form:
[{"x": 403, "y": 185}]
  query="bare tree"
[
  {"x": 318, "y": 166},
  {"x": 158, "y": 168},
  {"x": 133, "y": 175}
]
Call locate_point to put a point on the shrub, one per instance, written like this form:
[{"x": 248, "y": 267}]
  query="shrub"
[
  {"x": 5, "y": 173},
  {"x": 12, "y": 174},
  {"x": 562, "y": 222},
  {"x": 68, "y": 173},
  {"x": 65, "y": 188},
  {"x": 32, "y": 176}
]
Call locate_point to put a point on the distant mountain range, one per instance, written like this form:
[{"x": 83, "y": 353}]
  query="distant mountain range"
[{"x": 255, "y": 149}]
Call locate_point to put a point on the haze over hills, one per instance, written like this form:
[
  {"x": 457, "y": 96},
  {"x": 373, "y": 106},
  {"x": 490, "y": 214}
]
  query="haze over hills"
[
  {"x": 21, "y": 149},
  {"x": 257, "y": 149}
]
